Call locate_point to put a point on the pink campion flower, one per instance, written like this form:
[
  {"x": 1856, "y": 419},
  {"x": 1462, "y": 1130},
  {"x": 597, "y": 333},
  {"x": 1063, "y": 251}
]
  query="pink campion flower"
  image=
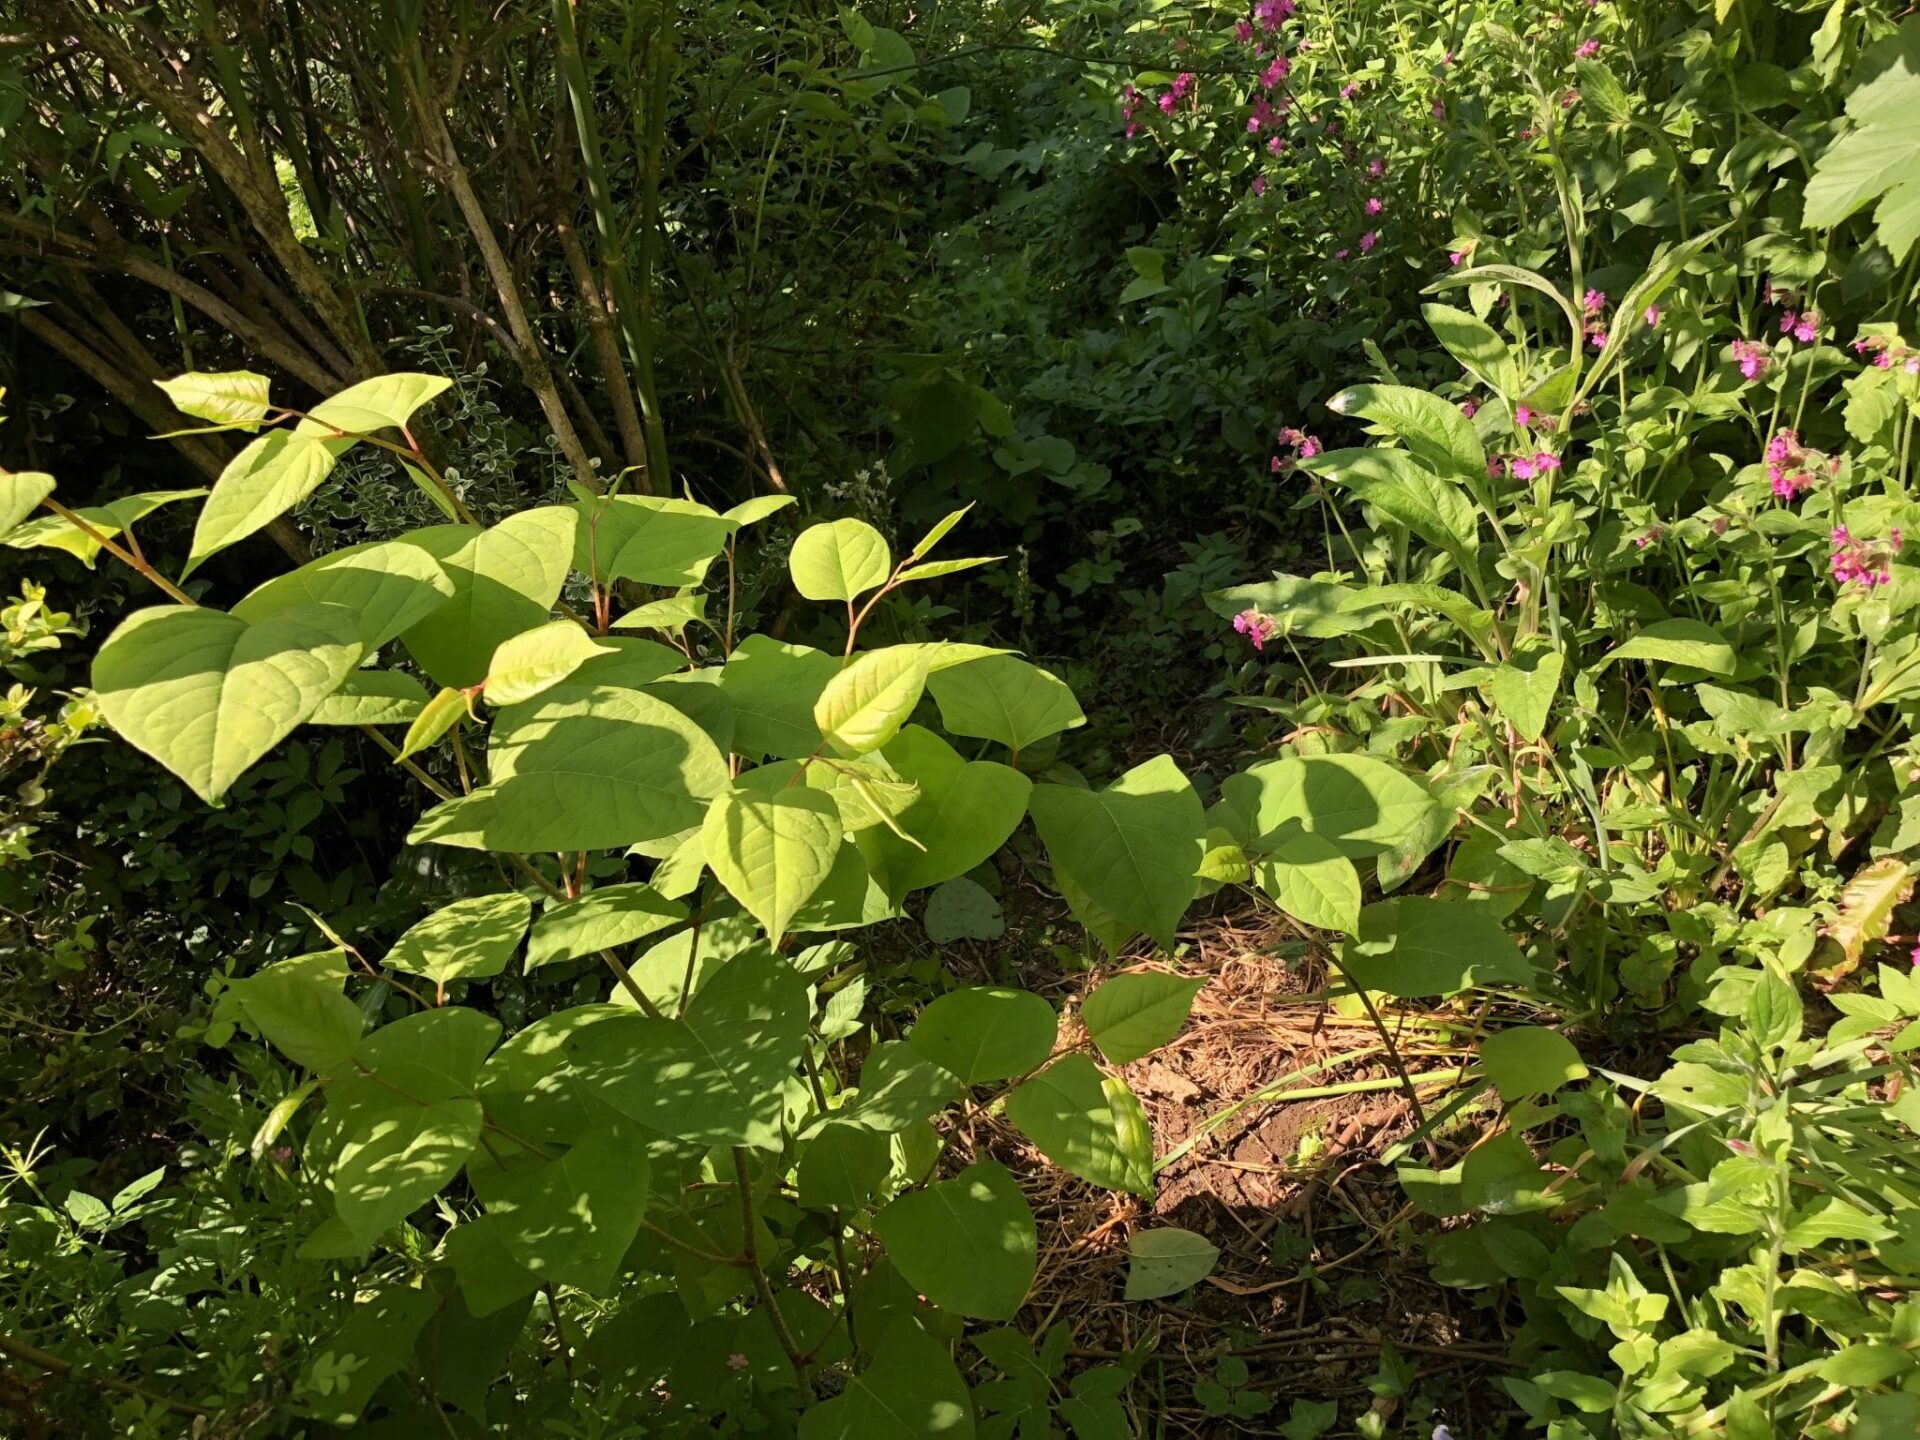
[
  {"x": 1545, "y": 461},
  {"x": 1523, "y": 467},
  {"x": 1914, "y": 955},
  {"x": 1369, "y": 240},
  {"x": 1792, "y": 468},
  {"x": 1642, "y": 541},
  {"x": 1243, "y": 32},
  {"x": 1651, "y": 315},
  {"x": 1496, "y": 467},
  {"x": 1597, "y": 335},
  {"x": 1527, "y": 134},
  {"x": 1523, "y": 416},
  {"x": 1276, "y": 144},
  {"x": 1310, "y": 447},
  {"x": 1587, "y": 49},
  {"x": 1168, "y": 101},
  {"x": 1594, "y": 301},
  {"x": 1867, "y": 563},
  {"x": 1340, "y": 254},
  {"x": 1752, "y": 358},
  {"x": 1271, "y": 12},
  {"x": 1454, "y": 257},
  {"x": 1439, "y": 109},
  {"x": 1469, "y": 407},
  {"x": 1807, "y": 328},
  {"x": 1259, "y": 185},
  {"x": 1376, "y": 167},
  {"x": 1349, "y": 90},
  {"x": 1256, "y": 627},
  {"x": 1447, "y": 59},
  {"x": 1276, "y": 72},
  {"x": 1263, "y": 114},
  {"x": 1374, "y": 207}
]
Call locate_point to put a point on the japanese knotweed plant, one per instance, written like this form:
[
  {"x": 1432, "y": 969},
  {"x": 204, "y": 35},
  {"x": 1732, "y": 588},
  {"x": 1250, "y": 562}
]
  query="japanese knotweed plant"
[{"x": 751, "y": 1191}]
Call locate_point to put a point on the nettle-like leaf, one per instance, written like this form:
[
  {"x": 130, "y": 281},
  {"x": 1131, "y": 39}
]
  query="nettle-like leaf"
[
  {"x": 958, "y": 813},
  {"x": 1396, "y": 484},
  {"x": 864, "y": 705},
  {"x": 716, "y": 1076},
  {"x": 654, "y": 540},
  {"x": 224, "y": 397},
  {"x": 206, "y": 694},
  {"x": 1874, "y": 160},
  {"x": 1134, "y": 1015},
  {"x": 772, "y": 851},
  {"x": 470, "y": 939},
  {"x": 968, "y": 1244},
  {"x": 1087, "y": 1124},
  {"x": 986, "y": 1033},
  {"x": 105, "y": 522},
  {"x": 839, "y": 560},
  {"x": 390, "y": 585},
  {"x": 505, "y": 580},
  {"x": 1133, "y": 848},
  {"x": 1005, "y": 699}
]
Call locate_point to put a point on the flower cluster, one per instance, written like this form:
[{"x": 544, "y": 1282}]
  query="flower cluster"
[
  {"x": 1866, "y": 563},
  {"x": 1183, "y": 84},
  {"x": 1752, "y": 357},
  {"x": 1594, "y": 306},
  {"x": 1587, "y": 49},
  {"x": 1527, "y": 467},
  {"x": 1803, "y": 325},
  {"x": 1271, "y": 12},
  {"x": 1302, "y": 445},
  {"x": 1256, "y": 627},
  {"x": 1792, "y": 468},
  {"x": 1888, "y": 352}
]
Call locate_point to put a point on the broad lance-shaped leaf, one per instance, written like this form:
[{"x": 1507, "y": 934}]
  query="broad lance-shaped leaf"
[
  {"x": 390, "y": 585},
  {"x": 1134, "y": 848},
  {"x": 864, "y": 706},
  {"x": 967, "y": 1244},
  {"x": 1396, "y": 484},
  {"x": 206, "y": 694},
  {"x": 1679, "y": 642},
  {"x": 1006, "y": 699},
  {"x": 839, "y": 560},
  {"x": 772, "y": 852},
  {"x": 105, "y": 522},
  {"x": 225, "y": 397},
  {"x": 1434, "y": 429},
  {"x": 1866, "y": 910},
  {"x": 716, "y": 1076},
  {"x": 470, "y": 939},
  {"x": 505, "y": 580}
]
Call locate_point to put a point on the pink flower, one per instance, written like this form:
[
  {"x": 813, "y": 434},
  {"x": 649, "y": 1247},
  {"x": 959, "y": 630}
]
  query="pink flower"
[
  {"x": 1867, "y": 563},
  {"x": 1340, "y": 254},
  {"x": 1168, "y": 101},
  {"x": 1349, "y": 90},
  {"x": 1373, "y": 205},
  {"x": 1792, "y": 468},
  {"x": 1271, "y": 12},
  {"x": 1447, "y": 59},
  {"x": 1651, "y": 315},
  {"x": 1256, "y": 627},
  {"x": 1469, "y": 408},
  {"x": 1523, "y": 416},
  {"x": 1276, "y": 72},
  {"x": 1640, "y": 542},
  {"x": 1588, "y": 49},
  {"x": 1439, "y": 109},
  {"x": 1546, "y": 461},
  {"x": 1807, "y": 328},
  {"x": 1597, "y": 335},
  {"x": 1915, "y": 957},
  {"x": 1454, "y": 257},
  {"x": 1369, "y": 240},
  {"x": 1263, "y": 114},
  {"x": 1752, "y": 358},
  {"x": 1303, "y": 446},
  {"x": 1376, "y": 167},
  {"x": 1243, "y": 32},
  {"x": 1570, "y": 99},
  {"x": 1593, "y": 302},
  {"x": 1522, "y": 467},
  {"x": 1259, "y": 185},
  {"x": 1276, "y": 144}
]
